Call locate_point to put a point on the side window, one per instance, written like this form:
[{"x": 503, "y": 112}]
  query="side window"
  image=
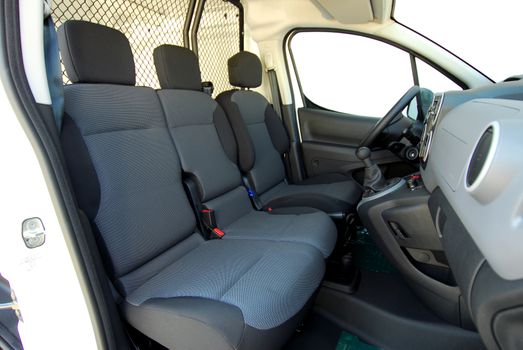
[
  {"x": 357, "y": 75},
  {"x": 433, "y": 80},
  {"x": 349, "y": 73}
]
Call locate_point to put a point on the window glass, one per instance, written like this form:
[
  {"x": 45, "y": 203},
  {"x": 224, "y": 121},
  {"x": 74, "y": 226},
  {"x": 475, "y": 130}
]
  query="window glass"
[
  {"x": 486, "y": 34},
  {"x": 350, "y": 73},
  {"x": 432, "y": 79}
]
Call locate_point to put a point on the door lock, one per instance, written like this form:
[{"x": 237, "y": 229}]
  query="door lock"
[{"x": 33, "y": 232}]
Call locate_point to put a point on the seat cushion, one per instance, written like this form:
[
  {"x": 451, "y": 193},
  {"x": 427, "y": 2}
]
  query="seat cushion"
[
  {"x": 316, "y": 229},
  {"x": 266, "y": 283},
  {"x": 330, "y": 197},
  {"x": 323, "y": 179},
  {"x": 235, "y": 216}
]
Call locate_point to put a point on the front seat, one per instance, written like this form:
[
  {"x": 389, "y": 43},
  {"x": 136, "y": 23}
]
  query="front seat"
[
  {"x": 263, "y": 142},
  {"x": 175, "y": 287}
]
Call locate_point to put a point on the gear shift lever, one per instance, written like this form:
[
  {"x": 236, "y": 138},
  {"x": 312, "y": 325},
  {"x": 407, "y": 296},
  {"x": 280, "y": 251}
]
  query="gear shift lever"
[{"x": 373, "y": 179}]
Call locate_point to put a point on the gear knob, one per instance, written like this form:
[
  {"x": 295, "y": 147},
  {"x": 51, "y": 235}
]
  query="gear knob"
[{"x": 363, "y": 153}]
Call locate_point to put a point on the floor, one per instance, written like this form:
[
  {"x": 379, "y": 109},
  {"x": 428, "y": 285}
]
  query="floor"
[
  {"x": 317, "y": 333},
  {"x": 320, "y": 333}
]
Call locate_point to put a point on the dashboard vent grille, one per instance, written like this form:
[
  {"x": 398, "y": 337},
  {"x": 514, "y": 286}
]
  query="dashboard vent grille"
[
  {"x": 477, "y": 162},
  {"x": 430, "y": 125}
]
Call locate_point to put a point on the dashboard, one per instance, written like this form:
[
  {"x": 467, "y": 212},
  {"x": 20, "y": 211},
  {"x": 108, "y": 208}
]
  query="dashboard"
[
  {"x": 473, "y": 152},
  {"x": 472, "y": 165},
  {"x": 455, "y": 229}
]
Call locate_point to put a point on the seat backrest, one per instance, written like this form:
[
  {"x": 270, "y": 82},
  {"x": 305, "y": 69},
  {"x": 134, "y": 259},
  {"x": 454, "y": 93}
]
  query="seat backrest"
[
  {"x": 262, "y": 138},
  {"x": 123, "y": 165},
  {"x": 202, "y": 134}
]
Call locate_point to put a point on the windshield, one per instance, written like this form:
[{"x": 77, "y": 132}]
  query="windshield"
[{"x": 486, "y": 34}]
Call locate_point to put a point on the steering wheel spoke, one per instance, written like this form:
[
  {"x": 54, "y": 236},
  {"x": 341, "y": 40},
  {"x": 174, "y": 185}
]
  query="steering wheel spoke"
[{"x": 378, "y": 128}]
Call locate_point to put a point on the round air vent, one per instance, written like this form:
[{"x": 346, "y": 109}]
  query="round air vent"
[{"x": 481, "y": 157}]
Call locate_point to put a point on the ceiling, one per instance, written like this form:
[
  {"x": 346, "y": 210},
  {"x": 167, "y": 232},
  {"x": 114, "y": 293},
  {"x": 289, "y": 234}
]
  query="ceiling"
[{"x": 272, "y": 19}]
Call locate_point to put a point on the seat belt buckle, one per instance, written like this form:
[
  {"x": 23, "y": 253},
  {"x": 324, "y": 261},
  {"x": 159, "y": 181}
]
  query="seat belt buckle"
[
  {"x": 217, "y": 233},
  {"x": 208, "y": 218},
  {"x": 254, "y": 199},
  {"x": 208, "y": 87},
  {"x": 209, "y": 221}
]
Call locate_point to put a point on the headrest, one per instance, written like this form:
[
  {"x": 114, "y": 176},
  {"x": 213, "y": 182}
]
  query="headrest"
[
  {"x": 245, "y": 70},
  {"x": 177, "y": 68},
  {"x": 93, "y": 53}
]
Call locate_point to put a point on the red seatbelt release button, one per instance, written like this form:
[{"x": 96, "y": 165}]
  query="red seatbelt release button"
[{"x": 218, "y": 232}]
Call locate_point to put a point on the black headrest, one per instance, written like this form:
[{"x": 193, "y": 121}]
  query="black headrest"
[
  {"x": 177, "y": 68},
  {"x": 245, "y": 70},
  {"x": 93, "y": 53}
]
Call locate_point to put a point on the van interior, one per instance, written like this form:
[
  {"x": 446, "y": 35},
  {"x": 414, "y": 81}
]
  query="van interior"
[{"x": 228, "y": 187}]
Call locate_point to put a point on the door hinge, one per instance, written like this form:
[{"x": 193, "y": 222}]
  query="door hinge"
[
  {"x": 12, "y": 306},
  {"x": 9, "y": 306}
]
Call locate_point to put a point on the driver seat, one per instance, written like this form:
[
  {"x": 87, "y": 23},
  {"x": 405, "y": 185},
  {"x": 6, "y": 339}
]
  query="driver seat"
[{"x": 263, "y": 144}]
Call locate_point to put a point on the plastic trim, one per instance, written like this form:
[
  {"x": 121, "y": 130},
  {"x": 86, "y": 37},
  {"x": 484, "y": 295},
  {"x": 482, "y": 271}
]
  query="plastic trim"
[
  {"x": 391, "y": 189},
  {"x": 488, "y": 161},
  {"x": 32, "y": 42}
]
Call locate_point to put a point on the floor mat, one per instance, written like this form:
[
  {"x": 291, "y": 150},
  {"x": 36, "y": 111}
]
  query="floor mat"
[
  {"x": 318, "y": 333},
  {"x": 349, "y": 341},
  {"x": 366, "y": 255}
]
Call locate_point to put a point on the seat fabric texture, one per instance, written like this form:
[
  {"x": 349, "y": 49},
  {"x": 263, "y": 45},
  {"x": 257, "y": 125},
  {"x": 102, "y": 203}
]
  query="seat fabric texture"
[
  {"x": 207, "y": 150},
  {"x": 263, "y": 141},
  {"x": 176, "y": 288}
]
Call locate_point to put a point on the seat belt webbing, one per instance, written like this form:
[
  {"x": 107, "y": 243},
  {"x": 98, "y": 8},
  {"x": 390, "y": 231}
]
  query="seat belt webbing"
[
  {"x": 275, "y": 92},
  {"x": 54, "y": 71}
]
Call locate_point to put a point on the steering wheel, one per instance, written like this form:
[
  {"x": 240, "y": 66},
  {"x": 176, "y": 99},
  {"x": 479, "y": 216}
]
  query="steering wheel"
[{"x": 378, "y": 128}]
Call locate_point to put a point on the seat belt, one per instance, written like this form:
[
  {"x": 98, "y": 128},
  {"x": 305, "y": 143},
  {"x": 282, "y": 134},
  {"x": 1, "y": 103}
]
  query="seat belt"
[
  {"x": 276, "y": 103},
  {"x": 273, "y": 84},
  {"x": 253, "y": 196},
  {"x": 206, "y": 220},
  {"x": 275, "y": 91},
  {"x": 53, "y": 69}
]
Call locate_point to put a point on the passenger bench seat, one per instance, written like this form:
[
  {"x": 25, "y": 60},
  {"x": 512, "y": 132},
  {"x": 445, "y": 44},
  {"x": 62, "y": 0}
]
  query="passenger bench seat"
[
  {"x": 262, "y": 142},
  {"x": 177, "y": 289}
]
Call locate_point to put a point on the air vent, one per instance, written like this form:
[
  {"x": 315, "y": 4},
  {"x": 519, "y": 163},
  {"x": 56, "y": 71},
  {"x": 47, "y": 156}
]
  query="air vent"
[
  {"x": 430, "y": 125},
  {"x": 479, "y": 157}
]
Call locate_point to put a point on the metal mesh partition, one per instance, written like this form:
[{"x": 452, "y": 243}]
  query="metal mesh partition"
[
  {"x": 218, "y": 39},
  {"x": 146, "y": 23}
]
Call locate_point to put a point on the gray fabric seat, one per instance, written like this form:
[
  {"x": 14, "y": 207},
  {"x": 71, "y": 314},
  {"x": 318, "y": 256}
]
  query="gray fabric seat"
[
  {"x": 263, "y": 142},
  {"x": 176, "y": 288},
  {"x": 207, "y": 149}
]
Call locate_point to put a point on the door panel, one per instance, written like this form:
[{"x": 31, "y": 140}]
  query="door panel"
[
  {"x": 333, "y": 127},
  {"x": 330, "y": 139}
]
